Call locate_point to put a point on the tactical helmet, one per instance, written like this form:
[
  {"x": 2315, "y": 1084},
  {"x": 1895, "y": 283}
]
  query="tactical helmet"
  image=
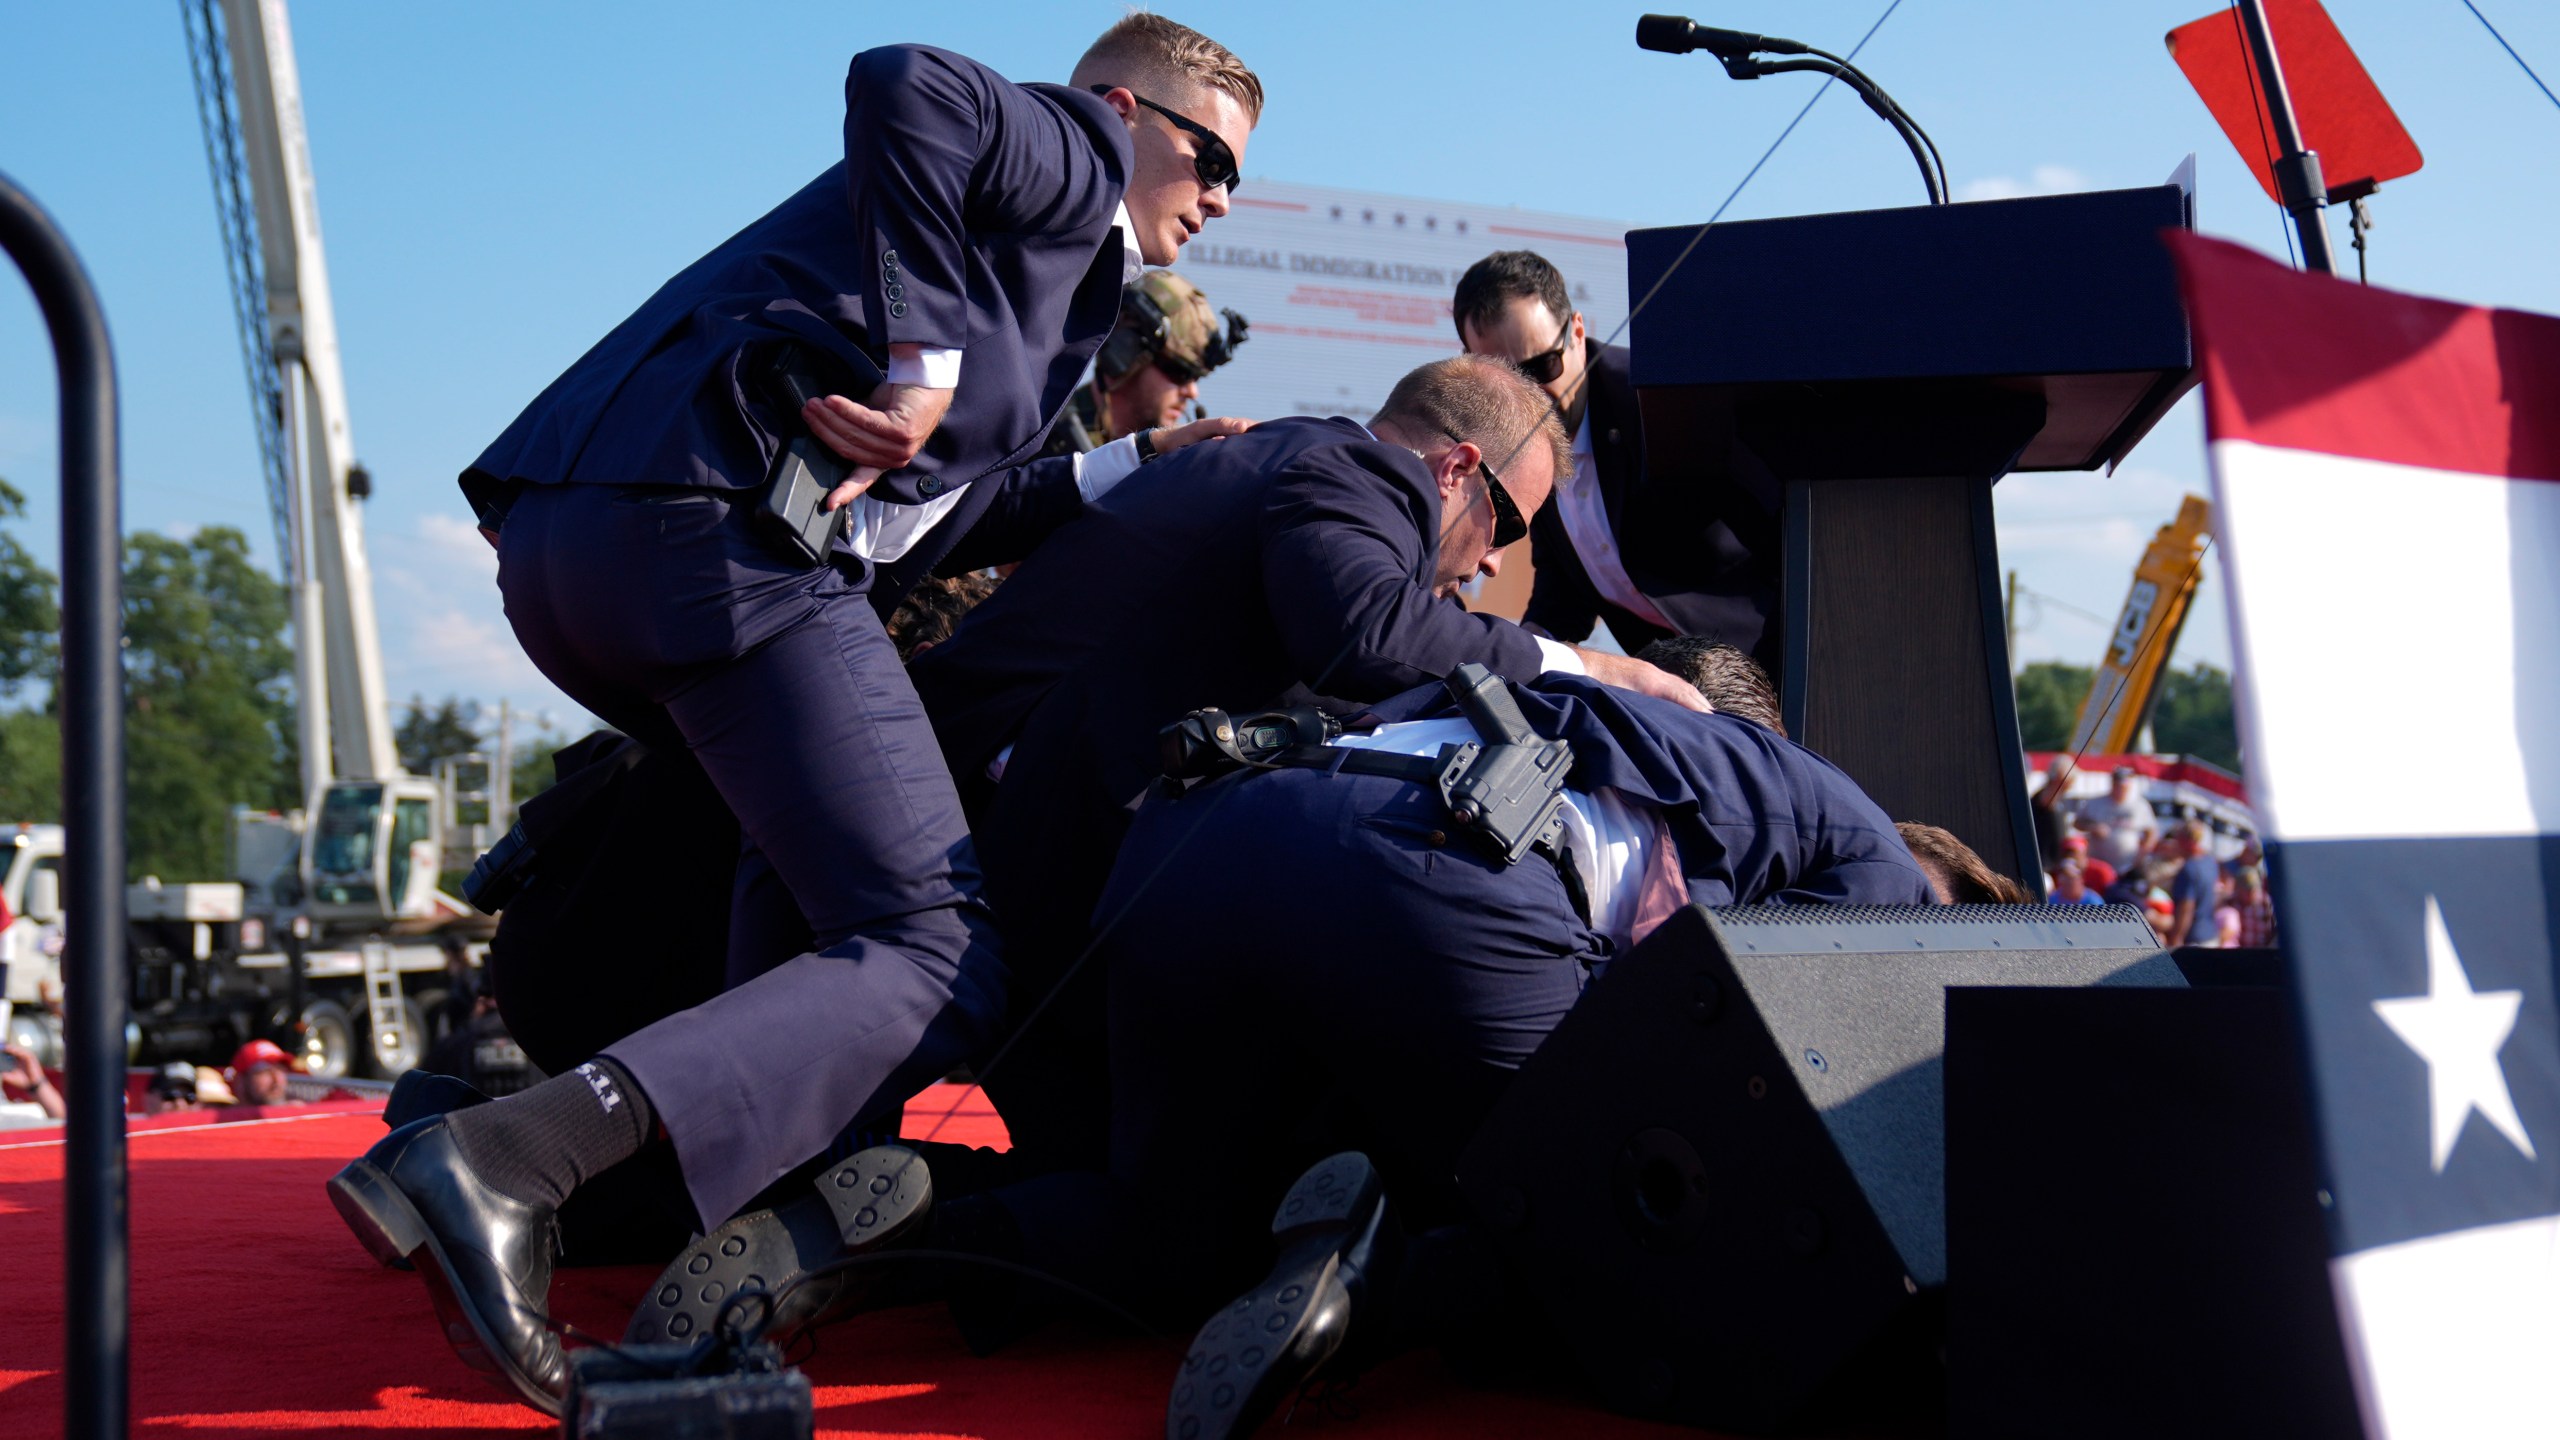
[{"x": 1165, "y": 319}]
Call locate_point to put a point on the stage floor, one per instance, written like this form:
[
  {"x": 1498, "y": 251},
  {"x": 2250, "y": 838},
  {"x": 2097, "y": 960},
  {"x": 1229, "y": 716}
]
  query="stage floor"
[{"x": 255, "y": 1313}]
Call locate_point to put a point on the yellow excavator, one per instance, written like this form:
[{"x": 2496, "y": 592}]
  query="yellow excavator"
[{"x": 2164, "y": 584}]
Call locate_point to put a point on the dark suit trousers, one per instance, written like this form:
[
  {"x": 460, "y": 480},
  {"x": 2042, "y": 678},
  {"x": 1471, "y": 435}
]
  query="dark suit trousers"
[
  {"x": 1311, "y": 971},
  {"x": 862, "y": 965}
]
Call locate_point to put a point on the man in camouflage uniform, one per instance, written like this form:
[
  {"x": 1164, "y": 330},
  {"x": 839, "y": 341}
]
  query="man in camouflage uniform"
[{"x": 1149, "y": 371}]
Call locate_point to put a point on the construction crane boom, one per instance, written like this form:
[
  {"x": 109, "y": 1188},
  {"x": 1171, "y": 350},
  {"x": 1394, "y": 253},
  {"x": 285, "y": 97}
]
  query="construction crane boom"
[
  {"x": 2155, "y": 609},
  {"x": 255, "y": 124}
]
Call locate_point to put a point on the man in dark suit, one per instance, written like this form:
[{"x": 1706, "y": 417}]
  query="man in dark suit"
[
  {"x": 1318, "y": 954},
  {"x": 973, "y": 243},
  {"x": 1689, "y": 547},
  {"x": 1310, "y": 556}
]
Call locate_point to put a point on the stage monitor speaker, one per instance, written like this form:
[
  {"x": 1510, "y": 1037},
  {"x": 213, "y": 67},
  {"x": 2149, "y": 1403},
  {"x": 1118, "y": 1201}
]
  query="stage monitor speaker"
[
  {"x": 2133, "y": 1217},
  {"x": 1724, "y": 1174}
]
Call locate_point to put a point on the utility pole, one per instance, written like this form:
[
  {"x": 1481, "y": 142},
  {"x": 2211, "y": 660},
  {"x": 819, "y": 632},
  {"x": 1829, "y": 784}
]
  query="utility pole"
[{"x": 502, "y": 786}]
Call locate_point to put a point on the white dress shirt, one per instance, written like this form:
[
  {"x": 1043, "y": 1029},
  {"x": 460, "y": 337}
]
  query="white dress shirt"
[
  {"x": 1586, "y": 522},
  {"x": 1621, "y": 850},
  {"x": 881, "y": 531}
]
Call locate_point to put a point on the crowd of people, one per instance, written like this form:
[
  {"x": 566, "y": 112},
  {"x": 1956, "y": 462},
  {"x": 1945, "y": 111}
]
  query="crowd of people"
[{"x": 2114, "y": 849}]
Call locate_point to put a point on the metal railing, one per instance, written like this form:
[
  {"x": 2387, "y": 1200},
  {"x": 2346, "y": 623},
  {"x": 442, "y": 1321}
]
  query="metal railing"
[{"x": 90, "y": 691}]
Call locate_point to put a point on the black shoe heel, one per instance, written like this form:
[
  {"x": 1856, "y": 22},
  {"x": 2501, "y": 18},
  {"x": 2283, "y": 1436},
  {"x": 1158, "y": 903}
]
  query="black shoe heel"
[
  {"x": 381, "y": 1217},
  {"x": 876, "y": 1200},
  {"x": 1275, "y": 1337}
]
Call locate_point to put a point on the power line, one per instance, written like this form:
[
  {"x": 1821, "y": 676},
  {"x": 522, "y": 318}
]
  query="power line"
[{"x": 2511, "y": 52}]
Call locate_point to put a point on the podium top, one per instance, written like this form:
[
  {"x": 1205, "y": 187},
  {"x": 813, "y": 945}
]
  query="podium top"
[{"x": 2068, "y": 297}]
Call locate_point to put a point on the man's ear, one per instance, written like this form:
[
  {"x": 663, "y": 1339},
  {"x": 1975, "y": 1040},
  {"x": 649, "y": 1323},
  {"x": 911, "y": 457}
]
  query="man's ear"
[
  {"x": 1124, "y": 102},
  {"x": 1457, "y": 463}
]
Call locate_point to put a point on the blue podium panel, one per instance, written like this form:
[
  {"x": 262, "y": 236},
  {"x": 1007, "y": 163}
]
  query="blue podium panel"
[{"x": 2069, "y": 299}]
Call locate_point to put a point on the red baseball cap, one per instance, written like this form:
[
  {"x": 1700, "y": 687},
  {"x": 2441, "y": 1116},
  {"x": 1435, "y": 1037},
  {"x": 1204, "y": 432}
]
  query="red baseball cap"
[{"x": 257, "y": 1053}]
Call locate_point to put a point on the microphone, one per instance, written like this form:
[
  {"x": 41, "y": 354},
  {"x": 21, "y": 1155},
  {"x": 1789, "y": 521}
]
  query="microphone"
[{"x": 1678, "y": 35}]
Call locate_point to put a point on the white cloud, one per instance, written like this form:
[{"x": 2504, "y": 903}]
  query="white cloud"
[
  {"x": 2042, "y": 180},
  {"x": 445, "y": 630},
  {"x": 2077, "y": 538}
]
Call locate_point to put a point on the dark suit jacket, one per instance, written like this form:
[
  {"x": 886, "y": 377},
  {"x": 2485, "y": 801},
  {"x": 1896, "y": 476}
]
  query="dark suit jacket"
[
  {"x": 1700, "y": 539},
  {"x": 1224, "y": 574},
  {"x": 969, "y": 211},
  {"x": 1758, "y": 819}
]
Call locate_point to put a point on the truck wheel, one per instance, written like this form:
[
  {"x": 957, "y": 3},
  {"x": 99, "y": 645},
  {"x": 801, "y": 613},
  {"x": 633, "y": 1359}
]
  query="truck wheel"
[
  {"x": 328, "y": 1040},
  {"x": 390, "y": 1063}
]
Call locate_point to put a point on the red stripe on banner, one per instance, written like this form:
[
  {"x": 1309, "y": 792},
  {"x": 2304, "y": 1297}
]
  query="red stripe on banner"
[
  {"x": 2311, "y": 363},
  {"x": 1527, "y": 234}
]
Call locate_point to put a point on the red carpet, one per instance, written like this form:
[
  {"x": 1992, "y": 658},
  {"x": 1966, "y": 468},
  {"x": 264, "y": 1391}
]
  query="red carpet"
[{"x": 254, "y": 1313}]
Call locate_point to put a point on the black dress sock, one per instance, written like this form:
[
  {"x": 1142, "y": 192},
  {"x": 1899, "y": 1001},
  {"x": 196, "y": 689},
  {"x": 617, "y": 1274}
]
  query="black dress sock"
[{"x": 538, "y": 1145}]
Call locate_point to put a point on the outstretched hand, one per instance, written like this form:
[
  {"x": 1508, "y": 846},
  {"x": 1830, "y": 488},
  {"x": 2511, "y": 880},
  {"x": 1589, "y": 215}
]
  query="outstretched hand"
[
  {"x": 1216, "y": 427},
  {"x": 877, "y": 437},
  {"x": 1645, "y": 679}
]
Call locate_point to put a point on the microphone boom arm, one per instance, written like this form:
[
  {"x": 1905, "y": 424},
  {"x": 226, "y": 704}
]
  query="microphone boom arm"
[{"x": 1883, "y": 105}]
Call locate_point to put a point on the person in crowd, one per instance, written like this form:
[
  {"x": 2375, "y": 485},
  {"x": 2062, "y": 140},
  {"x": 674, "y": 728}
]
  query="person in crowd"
[
  {"x": 2047, "y": 808},
  {"x": 2196, "y": 886},
  {"x": 934, "y": 609},
  {"x": 1688, "y": 554},
  {"x": 2163, "y": 916},
  {"x": 2120, "y": 823},
  {"x": 2257, "y": 910},
  {"x": 973, "y": 241},
  {"x": 173, "y": 1090},
  {"x": 1307, "y": 554},
  {"x": 2071, "y": 885},
  {"x": 26, "y": 1076},
  {"x": 261, "y": 1073},
  {"x": 1147, "y": 375},
  {"x": 1731, "y": 681},
  {"x": 2097, "y": 873},
  {"x": 1331, "y": 912},
  {"x": 1957, "y": 875}
]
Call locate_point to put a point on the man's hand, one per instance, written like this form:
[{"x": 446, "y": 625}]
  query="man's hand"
[
  {"x": 1216, "y": 427},
  {"x": 1643, "y": 678},
  {"x": 878, "y": 437},
  {"x": 24, "y": 1071}
]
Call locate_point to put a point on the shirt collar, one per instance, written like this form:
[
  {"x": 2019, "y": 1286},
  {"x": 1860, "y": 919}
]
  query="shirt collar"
[{"x": 1132, "y": 263}]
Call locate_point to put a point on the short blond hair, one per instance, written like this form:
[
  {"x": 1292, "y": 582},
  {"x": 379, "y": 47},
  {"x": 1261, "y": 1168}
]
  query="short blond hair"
[
  {"x": 1483, "y": 400},
  {"x": 1147, "y": 52}
]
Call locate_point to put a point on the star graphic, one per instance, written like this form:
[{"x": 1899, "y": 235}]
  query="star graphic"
[{"x": 2458, "y": 1033}]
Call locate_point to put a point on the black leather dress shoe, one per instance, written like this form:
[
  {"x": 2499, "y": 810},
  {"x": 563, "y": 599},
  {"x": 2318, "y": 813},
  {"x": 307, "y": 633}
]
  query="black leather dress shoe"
[
  {"x": 423, "y": 1094},
  {"x": 486, "y": 1258},
  {"x": 878, "y": 1200},
  {"x": 1275, "y": 1338}
]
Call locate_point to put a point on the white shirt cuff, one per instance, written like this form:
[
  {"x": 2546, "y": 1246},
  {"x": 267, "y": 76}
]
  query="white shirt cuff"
[
  {"x": 1104, "y": 466},
  {"x": 932, "y": 367},
  {"x": 1559, "y": 657}
]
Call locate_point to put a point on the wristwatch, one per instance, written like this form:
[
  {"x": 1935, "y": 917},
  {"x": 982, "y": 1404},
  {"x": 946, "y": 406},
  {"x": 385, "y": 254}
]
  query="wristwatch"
[{"x": 1146, "y": 443}]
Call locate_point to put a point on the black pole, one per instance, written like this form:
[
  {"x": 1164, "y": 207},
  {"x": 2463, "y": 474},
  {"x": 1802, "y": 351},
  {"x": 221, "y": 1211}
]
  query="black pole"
[
  {"x": 2297, "y": 170},
  {"x": 96, "y": 1290}
]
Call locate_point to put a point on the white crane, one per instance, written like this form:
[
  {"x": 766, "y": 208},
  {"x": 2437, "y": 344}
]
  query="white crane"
[{"x": 374, "y": 836}]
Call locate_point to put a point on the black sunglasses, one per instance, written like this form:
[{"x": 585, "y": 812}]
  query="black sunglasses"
[
  {"x": 1215, "y": 162},
  {"x": 1543, "y": 368},
  {"x": 1508, "y": 525}
]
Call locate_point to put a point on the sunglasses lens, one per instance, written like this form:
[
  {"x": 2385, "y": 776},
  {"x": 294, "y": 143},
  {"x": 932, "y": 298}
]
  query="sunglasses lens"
[{"x": 1543, "y": 369}]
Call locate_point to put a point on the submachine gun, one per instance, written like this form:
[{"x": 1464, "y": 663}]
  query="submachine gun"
[{"x": 1504, "y": 790}]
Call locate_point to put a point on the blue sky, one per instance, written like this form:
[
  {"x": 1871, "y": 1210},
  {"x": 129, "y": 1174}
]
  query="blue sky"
[{"x": 500, "y": 183}]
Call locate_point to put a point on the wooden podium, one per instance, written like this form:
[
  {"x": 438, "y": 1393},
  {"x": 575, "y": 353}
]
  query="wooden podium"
[{"x": 1887, "y": 367}]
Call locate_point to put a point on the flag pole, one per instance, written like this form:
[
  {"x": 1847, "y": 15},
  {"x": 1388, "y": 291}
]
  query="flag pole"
[{"x": 2297, "y": 170}]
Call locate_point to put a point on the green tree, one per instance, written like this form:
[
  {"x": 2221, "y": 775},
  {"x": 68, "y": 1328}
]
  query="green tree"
[
  {"x": 30, "y": 767},
  {"x": 2192, "y": 715},
  {"x": 29, "y": 619},
  {"x": 2049, "y": 696},
  {"x": 208, "y": 721},
  {"x": 428, "y": 733}
]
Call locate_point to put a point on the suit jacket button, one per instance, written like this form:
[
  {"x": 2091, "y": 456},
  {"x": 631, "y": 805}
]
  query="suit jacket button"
[
  {"x": 1613, "y": 434},
  {"x": 1438, "y": 837},
  {"x": 929, "y": 485}
]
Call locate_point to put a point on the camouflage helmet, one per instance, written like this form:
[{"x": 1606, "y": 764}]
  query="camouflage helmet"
[{"x": 1165, "y": 319}]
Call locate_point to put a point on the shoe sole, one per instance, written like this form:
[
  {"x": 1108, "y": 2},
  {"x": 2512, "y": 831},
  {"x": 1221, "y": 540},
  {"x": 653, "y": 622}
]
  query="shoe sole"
[
  {"x": 395, "y": 1233},
  {"x": 1228, "y": 1385},
  {"x": 873, "y": 1200}
]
